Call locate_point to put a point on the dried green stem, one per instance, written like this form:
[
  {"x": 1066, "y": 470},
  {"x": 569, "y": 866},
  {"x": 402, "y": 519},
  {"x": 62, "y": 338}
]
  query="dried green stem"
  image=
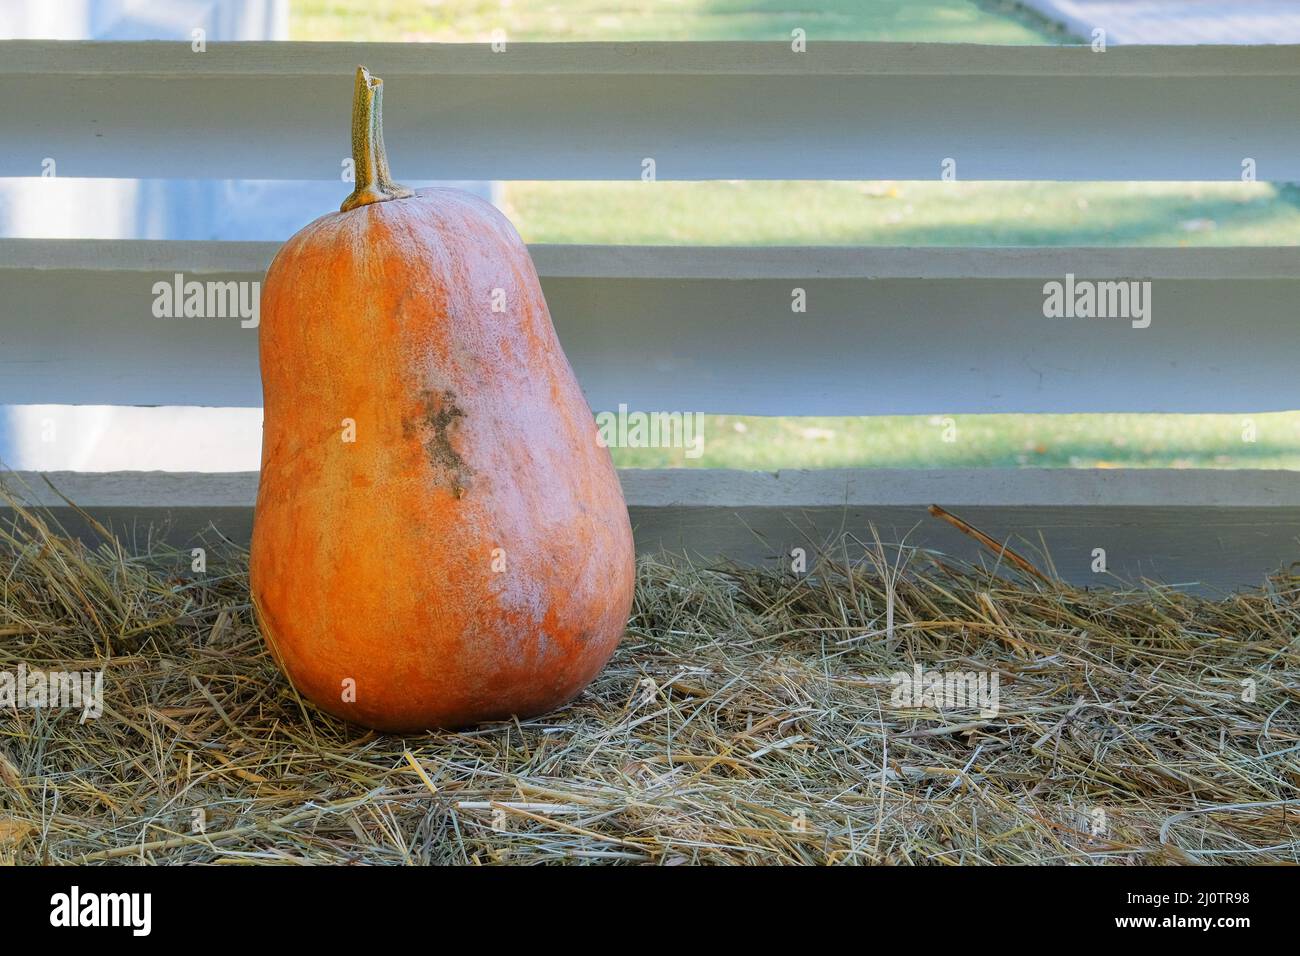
[{"x": 369, "y": 158}]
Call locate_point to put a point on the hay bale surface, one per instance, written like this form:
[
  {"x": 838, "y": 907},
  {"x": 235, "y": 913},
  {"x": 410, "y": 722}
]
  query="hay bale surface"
[{"x": 748, "y": 717}]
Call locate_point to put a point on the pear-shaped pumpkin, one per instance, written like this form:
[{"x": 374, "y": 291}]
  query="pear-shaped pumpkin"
[{"x": 439, "y": 537}]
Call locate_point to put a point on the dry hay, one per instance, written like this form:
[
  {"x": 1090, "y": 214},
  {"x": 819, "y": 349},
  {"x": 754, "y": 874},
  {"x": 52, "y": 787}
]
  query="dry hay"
[{"x": 746, "y": 718}]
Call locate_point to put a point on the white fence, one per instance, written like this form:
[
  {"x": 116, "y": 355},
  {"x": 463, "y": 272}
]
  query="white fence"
[{"x": 941, "y": 331}]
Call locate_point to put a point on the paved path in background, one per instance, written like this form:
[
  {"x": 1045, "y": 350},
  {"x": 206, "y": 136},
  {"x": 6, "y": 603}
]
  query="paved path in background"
[{"x": 1177, "y": 21}]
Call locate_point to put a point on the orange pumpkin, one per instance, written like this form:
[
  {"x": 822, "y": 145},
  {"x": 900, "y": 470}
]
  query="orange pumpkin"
[{"x": 439, "y": 537}]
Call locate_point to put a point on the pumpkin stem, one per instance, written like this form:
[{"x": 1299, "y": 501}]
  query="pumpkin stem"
[{"x": 369, "y": 159}]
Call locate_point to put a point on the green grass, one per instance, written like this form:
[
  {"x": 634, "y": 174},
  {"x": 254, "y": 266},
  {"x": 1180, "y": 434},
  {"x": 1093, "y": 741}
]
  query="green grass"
[
  {"x": 905, "y": 213},
  {"x": 954, "y": 21},
  {"x": 987, "y": 441}
]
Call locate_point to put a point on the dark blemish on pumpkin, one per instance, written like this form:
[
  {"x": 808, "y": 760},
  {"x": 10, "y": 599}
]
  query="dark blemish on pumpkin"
[{"x": 440, "y": 416}]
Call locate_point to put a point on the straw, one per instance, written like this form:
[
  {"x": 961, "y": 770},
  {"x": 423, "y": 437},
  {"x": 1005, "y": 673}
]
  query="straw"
[{"x": 749, "y": 716}]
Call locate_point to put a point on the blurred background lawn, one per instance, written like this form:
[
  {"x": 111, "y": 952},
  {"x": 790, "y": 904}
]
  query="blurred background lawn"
[
  {"x": 907, "y": 213},
  {"x": 463, "y": 21},
  {"x": 866, "y": 213},
  {"x": 987, "y": 441}
]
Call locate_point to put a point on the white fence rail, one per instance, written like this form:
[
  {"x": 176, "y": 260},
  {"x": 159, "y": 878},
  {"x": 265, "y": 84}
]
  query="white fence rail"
[
  {"x": 1208, "y": 529},
  {"x": 886, "y": 331},
  {"x": 700, "y": 110}
]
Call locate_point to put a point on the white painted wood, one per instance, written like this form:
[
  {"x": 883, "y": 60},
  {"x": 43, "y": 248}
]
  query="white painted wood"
[
  {"x": 787, "y": 489},
  {"x": 1205, "y": 530},
  {"x": 964, "y": 487},
  {"x": 595, "y": 111},
  {"x": 887, "y": 331},
  {"x": 647, "y": 58},
  {"x": 708, "y": 262}
]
